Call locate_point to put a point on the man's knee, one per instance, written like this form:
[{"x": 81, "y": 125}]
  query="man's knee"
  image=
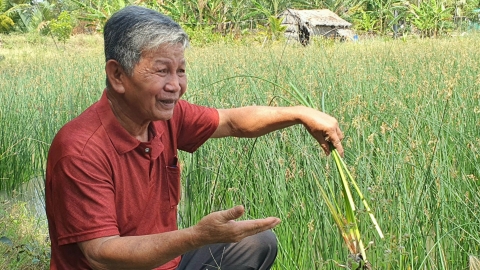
[
  {"x": 257, "y": 252},
  {"x": 264, "y": 242},
  {"x": 265, "y": 238},
  {"x": 254, "y": 252}
]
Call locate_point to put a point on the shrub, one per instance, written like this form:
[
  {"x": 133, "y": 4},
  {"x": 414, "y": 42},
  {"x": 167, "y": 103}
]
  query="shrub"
[
  {"x": 6, "y": 24},
  {"x": 24, "y": 241},
  {"x": 62, "y": 27}
]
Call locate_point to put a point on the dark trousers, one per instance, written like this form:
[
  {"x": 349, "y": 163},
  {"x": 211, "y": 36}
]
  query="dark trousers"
[{"x": 253, "y": 252}]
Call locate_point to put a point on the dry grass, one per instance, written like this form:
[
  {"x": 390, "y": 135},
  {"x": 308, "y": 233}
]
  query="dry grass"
[{"x": 473, "y": 262}]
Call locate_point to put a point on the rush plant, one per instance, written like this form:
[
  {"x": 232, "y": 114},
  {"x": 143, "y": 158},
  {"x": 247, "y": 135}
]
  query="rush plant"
[{"x": 345, "y": 220}]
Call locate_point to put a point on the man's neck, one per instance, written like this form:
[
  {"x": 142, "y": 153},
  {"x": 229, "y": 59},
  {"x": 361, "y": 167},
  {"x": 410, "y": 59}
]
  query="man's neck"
[{"x": 120, "y": 110}]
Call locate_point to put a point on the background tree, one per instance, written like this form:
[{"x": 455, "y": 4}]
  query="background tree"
[
  {"x": 430, "y": 17},
  {"x": 97, "y": 12},
  {"x": 425, "y": 17},
  {"x": 10, "y": 15},
  {"x": 6, "y": 22},
  {"x": 62, "y": 27}
]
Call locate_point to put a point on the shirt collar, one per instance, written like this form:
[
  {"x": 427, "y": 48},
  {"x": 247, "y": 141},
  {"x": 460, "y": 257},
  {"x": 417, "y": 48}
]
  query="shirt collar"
[{"x": 118, "y": 135}]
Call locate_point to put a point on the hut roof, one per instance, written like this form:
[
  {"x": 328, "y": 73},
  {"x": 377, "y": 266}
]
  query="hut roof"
[{"x": 315, "y": 17}]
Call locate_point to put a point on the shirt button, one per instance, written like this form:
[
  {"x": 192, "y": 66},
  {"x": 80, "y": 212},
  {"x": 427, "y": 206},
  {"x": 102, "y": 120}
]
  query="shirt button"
[{"x": 147, "y": 150}]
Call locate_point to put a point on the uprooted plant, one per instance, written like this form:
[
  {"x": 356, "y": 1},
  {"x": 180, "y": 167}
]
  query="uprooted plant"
[{"x": 346, "y": 223}]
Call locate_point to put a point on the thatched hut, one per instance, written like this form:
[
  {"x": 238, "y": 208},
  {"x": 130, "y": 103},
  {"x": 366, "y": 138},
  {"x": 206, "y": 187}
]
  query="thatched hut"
[{"x": 302, "y": 24}]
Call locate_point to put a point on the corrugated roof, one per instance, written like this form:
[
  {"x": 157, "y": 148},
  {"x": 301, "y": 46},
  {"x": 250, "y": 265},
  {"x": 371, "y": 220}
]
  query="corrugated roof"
[{"x": 315, "y": 17}]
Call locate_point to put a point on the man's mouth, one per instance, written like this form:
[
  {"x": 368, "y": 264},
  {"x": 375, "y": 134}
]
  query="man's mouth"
[{"x": 168, "y": 103}]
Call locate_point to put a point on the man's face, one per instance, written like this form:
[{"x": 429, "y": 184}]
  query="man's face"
[{"x": 157, "y": 83}]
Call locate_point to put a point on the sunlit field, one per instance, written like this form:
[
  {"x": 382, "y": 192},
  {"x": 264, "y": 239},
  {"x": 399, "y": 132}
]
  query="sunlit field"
[{"x": 410, "y": 111}]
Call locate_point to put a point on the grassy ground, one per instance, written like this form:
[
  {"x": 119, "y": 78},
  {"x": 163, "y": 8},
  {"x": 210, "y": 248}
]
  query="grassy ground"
[
  {"x": 24, "y": 242},
  {"x": 409, "y": 109}
]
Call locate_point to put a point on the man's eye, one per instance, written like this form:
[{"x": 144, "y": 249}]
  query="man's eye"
[{"x": 163, "y": 71}]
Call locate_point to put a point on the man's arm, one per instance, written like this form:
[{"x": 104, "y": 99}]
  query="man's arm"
[
  {"x": 150, "y": 251},
  {"x": 255, "y": 121}
]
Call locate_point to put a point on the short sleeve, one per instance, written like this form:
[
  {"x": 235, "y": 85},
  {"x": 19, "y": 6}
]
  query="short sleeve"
[
  {"x": 83, "y": 200},
  {"x": 196, "y": 125}
]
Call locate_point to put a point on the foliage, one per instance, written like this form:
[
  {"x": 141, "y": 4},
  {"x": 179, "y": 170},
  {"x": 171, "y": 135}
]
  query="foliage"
[
  {"x": 237, "y": 16},
  {"x": 99, "y": 11},
  {"x": 6, "y": 23},
  {"x": 201, "y": 36},
  {"x": 181, "y": 11},
  {"x": 465, "y": 9},
  {"x": 28, "y": 17},
  {"x": 274, "y": 30},
  {"x": 419, "y": 170},
  {"x": 345, "y": 218},
  {"x": 7, "y": 11},
  {"x": 390, "y": 107},
  {"x": 62, "y": 27},
  {"x": 430, "y": 17},
  {"x": 23, "y": 238},
  {"x": 382, "y": 12},
  {"x": 177, "y": 10},
  {"x": 345, "y": 8},
  {"x": 269, "y": 8},
  {"x": 366, "y": 22}
]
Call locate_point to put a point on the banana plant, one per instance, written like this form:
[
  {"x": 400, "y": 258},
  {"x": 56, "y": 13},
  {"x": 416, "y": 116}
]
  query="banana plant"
[
  {"x": 274, "y": 30},
  {"x": 99, "y": 11},
  {"x": 429, "y": 17},
  {"x": 6, "y": 22},
  {"x": 366, "y": 22},
  {"x": 16, "y": 15}
]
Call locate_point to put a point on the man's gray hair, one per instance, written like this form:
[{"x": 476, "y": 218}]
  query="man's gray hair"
[{"x": 133, "y": 30}]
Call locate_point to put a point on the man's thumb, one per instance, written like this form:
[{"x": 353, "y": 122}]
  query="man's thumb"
[{"x": 235, "y": 212}]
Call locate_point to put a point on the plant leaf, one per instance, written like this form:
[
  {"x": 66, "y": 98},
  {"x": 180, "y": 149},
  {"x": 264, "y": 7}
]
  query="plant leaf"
[{"x": 6, "y": 241}]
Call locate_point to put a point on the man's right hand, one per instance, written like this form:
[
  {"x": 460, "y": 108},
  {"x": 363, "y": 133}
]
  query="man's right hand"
[
  {"x": 221, "y": 227},
  {"x": 150, "y": 251}
]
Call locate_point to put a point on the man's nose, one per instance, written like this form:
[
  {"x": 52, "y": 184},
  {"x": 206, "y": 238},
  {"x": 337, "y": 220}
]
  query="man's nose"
[{"x": 173, "y": 83}]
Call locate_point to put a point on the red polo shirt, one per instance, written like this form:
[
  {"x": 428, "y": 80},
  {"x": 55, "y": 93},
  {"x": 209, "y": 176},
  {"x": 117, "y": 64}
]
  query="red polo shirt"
[{"x": 101, "y": 181}]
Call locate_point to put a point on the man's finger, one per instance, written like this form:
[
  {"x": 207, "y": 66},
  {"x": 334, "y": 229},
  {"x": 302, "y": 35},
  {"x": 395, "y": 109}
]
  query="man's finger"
[
  {"x": 337, "y": 142},
  {"x": 339, "y": 147},
  {"x": 255, "y": 226},
  {"x": 340, "y": 133},
  {"x": 325, "y": 146},
  {"x": 234, "y": 213}
]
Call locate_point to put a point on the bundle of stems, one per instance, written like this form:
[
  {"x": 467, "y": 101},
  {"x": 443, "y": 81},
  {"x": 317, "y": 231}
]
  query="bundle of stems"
[{"x": 347, "y": 223}]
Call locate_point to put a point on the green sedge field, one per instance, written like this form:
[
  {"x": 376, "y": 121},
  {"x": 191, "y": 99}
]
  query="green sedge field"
[{"x": 409, "y": 109}]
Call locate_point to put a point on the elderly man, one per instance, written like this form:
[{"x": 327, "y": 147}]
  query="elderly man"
[{"x": 113, "y": 178}]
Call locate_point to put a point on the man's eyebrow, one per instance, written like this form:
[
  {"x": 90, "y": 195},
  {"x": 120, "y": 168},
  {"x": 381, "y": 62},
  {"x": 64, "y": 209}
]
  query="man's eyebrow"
[
  {"x": 162, "y": 61},
  {"x": 168, "y": 61}
]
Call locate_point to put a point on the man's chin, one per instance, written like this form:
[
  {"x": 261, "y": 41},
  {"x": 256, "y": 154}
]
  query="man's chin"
[{"x": 164, "y": 116}]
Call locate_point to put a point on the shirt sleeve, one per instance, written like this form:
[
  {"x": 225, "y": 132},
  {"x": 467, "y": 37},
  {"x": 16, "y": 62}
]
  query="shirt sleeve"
[
  {"x": 83, "y": 201},
  {"x": 196, "y": 124}
]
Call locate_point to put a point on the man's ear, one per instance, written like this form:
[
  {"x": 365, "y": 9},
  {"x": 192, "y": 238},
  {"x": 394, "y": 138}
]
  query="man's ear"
[{"x": 115, "y": 75}]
